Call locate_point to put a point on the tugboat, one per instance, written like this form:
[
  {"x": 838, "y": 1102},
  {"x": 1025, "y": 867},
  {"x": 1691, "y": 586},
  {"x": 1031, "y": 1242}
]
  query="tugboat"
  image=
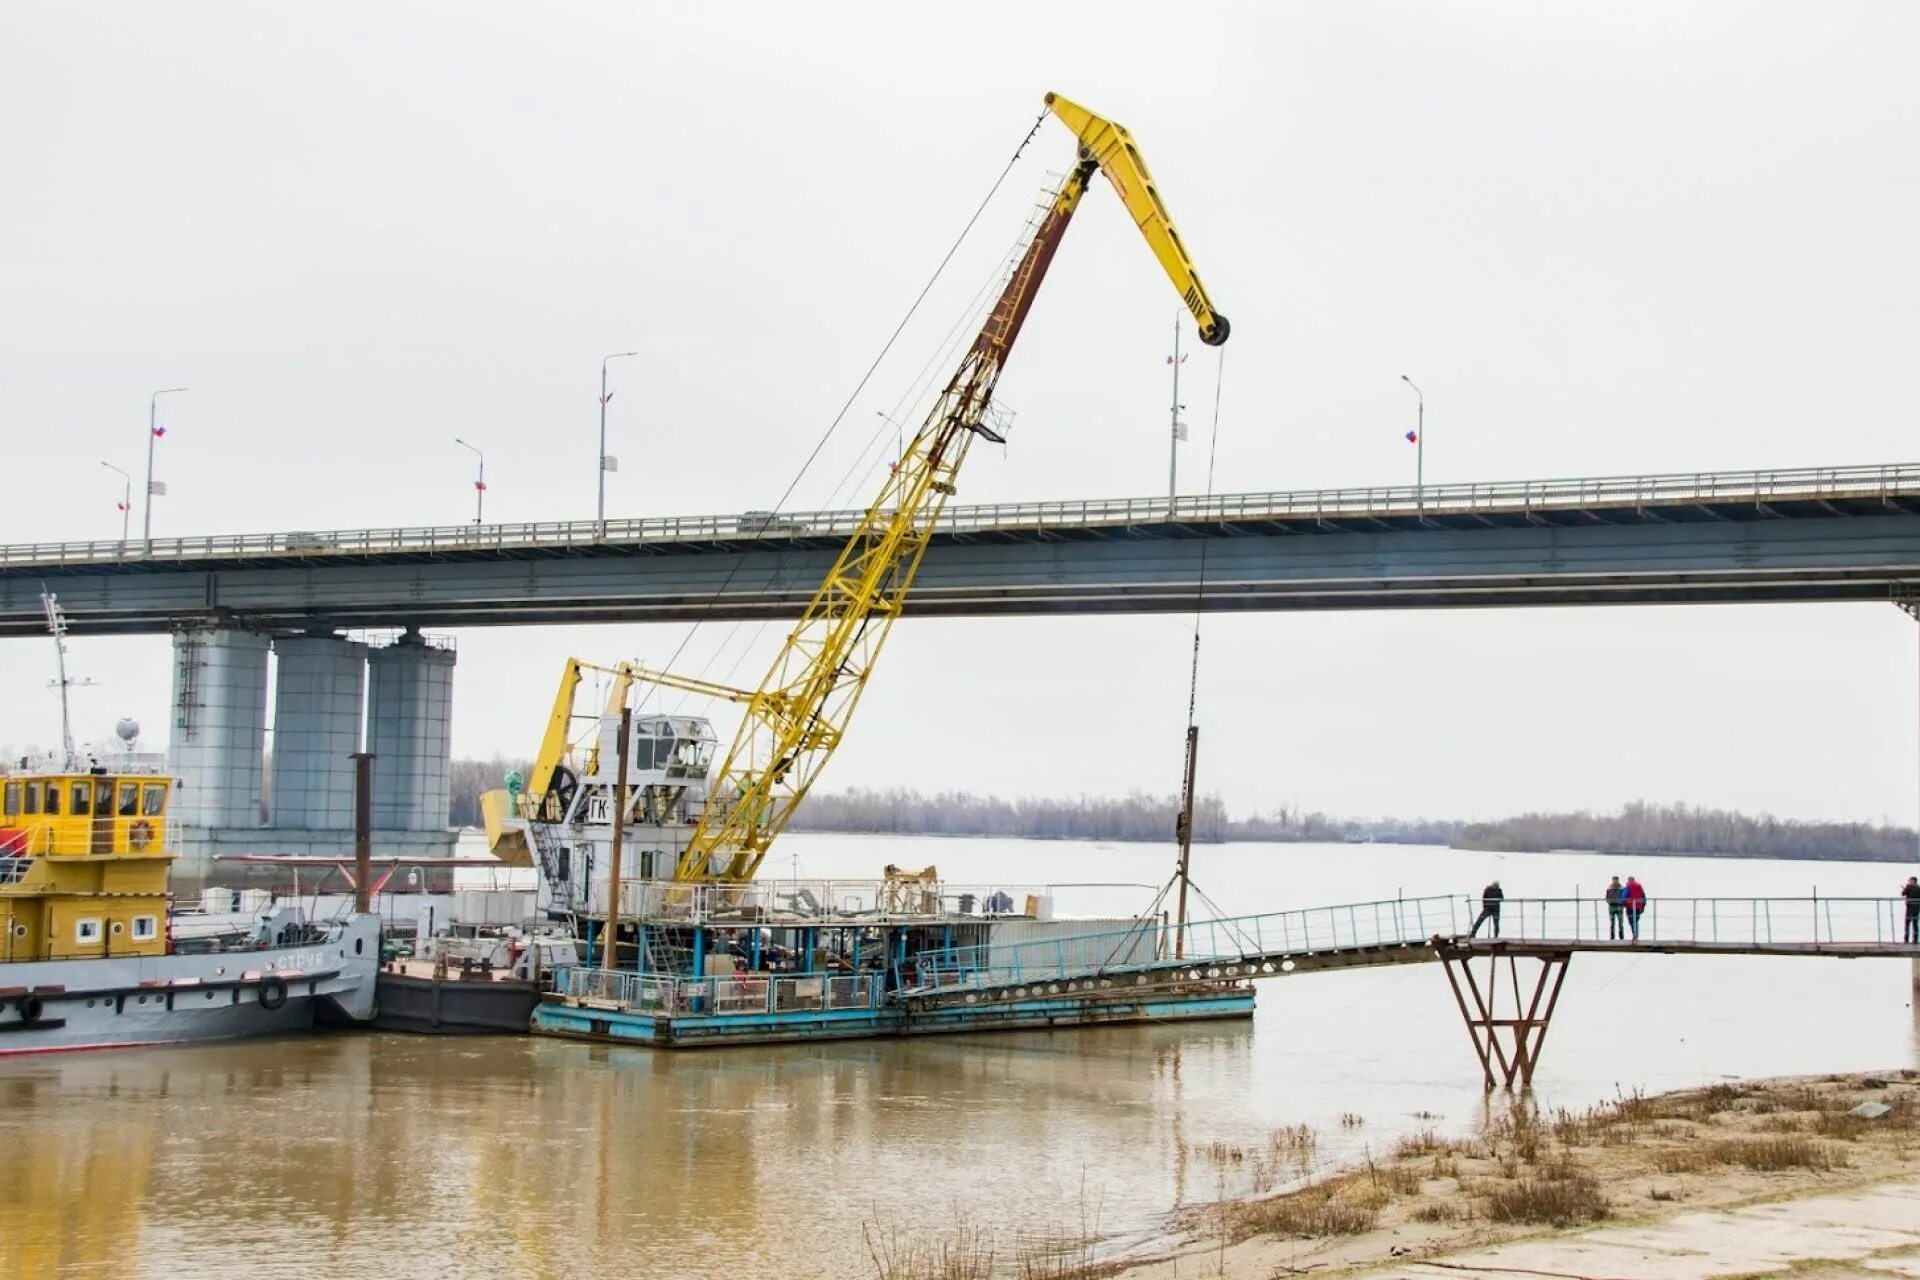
[
  {"x": 87, "y": 929},
  {"x": 87, "y": 960}
]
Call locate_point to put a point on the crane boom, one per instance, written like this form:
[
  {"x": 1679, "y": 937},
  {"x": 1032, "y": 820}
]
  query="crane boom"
[
  {"x": 1111, "y": 147},
  {"x": 800, "y": 712}
]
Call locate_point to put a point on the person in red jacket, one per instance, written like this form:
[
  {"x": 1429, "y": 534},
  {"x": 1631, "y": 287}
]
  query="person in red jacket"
[{"x": 1636, "y": 902}]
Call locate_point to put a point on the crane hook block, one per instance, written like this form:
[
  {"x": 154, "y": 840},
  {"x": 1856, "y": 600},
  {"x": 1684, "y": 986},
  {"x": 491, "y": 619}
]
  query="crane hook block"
[{"x": 1111, "y": 147}]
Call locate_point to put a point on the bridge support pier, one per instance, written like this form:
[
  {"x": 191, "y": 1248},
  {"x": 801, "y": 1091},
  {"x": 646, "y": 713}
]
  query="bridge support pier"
[{"x": 1514, "y": 1055}]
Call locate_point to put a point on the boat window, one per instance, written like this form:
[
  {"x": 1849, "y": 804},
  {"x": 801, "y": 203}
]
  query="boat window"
[
  {"x": 82, "y": 799},
  {"x": 53, "y": 799},
  {"x": 144, "y": 928},
  {"x": 153, "y": 800},
  {"x": 33, "y": 797},
  {"x": 13, "y": 799},
  {"x": 86, "y": 930},
  {"x": 129, "y": 799}
]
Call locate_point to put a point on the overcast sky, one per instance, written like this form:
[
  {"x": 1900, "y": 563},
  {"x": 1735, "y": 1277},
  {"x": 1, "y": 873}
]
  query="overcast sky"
[{"x": 1606, "y": 238}]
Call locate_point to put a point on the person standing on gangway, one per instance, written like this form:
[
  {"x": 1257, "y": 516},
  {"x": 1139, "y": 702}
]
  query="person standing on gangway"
[
  {"x": 1490, "y": 899},
  {"x": 1616, "y": 911},
  {"x": 1911, "y": 892}
]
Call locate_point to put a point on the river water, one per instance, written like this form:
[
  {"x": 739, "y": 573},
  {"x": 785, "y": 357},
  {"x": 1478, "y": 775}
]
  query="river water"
[{"x": 381, "y": 1155}]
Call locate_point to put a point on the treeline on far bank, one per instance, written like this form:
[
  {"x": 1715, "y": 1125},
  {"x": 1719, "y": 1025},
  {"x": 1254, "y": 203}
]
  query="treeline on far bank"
[{"x": 1641, "y": 827}]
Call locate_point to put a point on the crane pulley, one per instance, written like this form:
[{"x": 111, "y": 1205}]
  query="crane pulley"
[{"x": 799, "y": 714}]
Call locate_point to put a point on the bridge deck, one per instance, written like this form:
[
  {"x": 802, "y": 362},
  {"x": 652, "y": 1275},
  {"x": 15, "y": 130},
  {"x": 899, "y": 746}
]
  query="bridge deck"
[{"x": 1833, "y": 533}]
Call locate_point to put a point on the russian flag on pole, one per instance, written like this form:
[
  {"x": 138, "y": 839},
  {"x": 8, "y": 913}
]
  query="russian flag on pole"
[
  {"x": 159, "y": 431},
  {"x": 480, "y": 485},
  {"x": 1413, "y": 437}
]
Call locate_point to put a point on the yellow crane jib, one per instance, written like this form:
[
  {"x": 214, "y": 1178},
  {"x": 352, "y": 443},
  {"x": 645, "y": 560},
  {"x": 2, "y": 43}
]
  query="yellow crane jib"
[
  {"x": 1111, "y": 147},
  {"x": 800, "y": 712}
]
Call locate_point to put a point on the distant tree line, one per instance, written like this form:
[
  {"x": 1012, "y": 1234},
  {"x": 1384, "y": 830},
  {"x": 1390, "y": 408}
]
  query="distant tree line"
[{"x": 1642, "y": 827}]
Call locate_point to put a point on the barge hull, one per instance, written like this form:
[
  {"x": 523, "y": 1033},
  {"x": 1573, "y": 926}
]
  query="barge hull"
[
  {"x": 663, "y": 1031},
  {"x": 454, "y": 1006}
]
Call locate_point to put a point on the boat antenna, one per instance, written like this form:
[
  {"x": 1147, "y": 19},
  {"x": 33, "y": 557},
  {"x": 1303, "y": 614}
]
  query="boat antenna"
[{"x": 57, "y": 627}]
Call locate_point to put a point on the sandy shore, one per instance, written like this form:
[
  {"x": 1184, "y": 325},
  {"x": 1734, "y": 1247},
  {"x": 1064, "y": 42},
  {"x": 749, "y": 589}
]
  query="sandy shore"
[{"x": 1806, "y": 1177}]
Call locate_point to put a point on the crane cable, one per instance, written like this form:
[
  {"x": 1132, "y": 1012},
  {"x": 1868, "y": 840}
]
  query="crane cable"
[
  {"x": 860, "y": 386},
  {"x": 1200, "y": 588}
]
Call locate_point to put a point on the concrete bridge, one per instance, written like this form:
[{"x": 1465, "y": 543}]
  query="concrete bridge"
[{"x": 1817, "y": 534}]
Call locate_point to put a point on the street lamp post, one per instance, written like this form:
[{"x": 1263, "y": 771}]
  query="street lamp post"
[
  {"x": 600, "y": 505},
  {"x": 479, "y": 481},
  {"x": 153, "y": 433},
  {"x": 126, "y": 499},
  {"x": 1419, "y": 447}
]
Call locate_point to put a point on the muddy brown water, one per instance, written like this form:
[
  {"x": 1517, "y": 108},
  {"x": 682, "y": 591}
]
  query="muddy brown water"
[{"x": 376, "y": 1155}]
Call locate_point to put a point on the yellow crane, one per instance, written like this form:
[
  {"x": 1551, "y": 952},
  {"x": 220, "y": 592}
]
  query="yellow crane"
[{"x": 799, "y": 713}]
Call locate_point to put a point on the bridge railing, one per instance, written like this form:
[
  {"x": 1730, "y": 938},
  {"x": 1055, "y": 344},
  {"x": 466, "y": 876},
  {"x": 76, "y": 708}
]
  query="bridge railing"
[
  {"x": 1757, "y": 487},
  {"x": 1155, "y": 943},
  {"x": 1810, "y": 921}
]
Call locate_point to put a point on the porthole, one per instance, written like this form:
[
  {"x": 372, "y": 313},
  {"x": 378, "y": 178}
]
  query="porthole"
[
  {"x": 209, "y": 995},
  {"x": 119, "y": 928},
  {"x": 19, "y": 931},
  {"x": 89, "y": 1004}
]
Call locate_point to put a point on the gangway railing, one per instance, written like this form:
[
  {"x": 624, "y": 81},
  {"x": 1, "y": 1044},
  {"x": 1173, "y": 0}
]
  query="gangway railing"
[
  {"x": 1152, "y": 943},
  {"x": 664, "y": 996},
  {"x": 1776, "y": 923},
  {"x": 1756, "y": 488},
  {"x": 1380, "y": 932}
]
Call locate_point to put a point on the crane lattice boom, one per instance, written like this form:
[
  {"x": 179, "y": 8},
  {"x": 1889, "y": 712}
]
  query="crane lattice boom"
[{"x": 800, "y": 712}]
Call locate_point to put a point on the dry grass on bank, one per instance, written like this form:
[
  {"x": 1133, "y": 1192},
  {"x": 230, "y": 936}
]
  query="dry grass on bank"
[{"x": 1526, "y": 1172}]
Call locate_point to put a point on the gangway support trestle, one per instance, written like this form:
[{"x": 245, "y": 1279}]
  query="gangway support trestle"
[{"x": 1504, "y": 1059}]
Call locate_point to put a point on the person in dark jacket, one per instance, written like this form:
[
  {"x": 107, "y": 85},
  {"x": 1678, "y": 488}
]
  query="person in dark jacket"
[
  {"x": 1616, "y": 910},
  {"x": 1911, "y": 892},
  {"x": 1636, "y": 902},
  {"x": 1490, "y": 899}
]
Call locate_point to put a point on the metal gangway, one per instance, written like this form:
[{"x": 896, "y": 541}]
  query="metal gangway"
[{"x": 1155, "y": 953}]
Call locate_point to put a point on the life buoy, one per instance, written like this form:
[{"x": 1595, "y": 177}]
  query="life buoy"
[
  {"x": 140, "y": 833},
  {"x": 273, "y": 993},
  {"x": 31, "y": 1007}
]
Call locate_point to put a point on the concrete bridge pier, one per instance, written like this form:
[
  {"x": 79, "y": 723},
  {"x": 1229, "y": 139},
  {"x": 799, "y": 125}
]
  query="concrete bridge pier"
[
  {"x": 330, "y": 695},
  {"x": 218, "y": 734},
  {"x": 319, "y": 691},
  {"x": 410, "y": 733}
]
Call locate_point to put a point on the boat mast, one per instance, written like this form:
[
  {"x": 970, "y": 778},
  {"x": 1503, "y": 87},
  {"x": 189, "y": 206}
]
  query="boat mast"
[{"x": 57, "y": 627}]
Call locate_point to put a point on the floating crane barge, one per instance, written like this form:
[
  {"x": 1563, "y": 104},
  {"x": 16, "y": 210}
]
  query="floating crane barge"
[{"x": 650, "y": 852}]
